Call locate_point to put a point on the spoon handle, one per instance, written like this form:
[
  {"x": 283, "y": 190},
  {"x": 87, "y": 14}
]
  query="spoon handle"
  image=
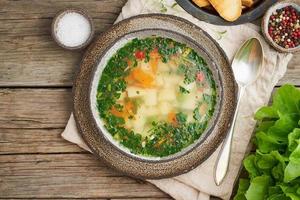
[{"x": 222, "y": 162}]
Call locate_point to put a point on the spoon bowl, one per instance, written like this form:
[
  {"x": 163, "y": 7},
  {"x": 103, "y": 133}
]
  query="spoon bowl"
[
  {"x": 247, "y": 62},
  {"x": 246, "y": 67}
]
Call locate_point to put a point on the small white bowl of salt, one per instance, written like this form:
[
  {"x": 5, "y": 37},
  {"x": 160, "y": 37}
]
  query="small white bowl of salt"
[{"x": 72, "y": 29}]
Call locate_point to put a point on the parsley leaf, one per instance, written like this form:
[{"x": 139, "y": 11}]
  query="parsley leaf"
[{"x": 183, "y": 90}]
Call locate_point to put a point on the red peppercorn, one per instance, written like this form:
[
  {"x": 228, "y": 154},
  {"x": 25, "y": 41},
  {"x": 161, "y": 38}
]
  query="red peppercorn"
[{"x": 283, "y": 27}]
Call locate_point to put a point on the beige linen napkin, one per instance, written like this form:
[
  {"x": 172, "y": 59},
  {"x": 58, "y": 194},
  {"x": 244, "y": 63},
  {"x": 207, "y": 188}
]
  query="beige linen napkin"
[{"x": 198, "y": 184}]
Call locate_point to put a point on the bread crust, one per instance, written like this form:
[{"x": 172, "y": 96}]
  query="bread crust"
[
  {"x": 201, "y": 3},
  {"x": 230, "y": 10}
]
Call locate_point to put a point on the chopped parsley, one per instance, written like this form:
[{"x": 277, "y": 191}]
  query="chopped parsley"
[{"x": 164, "y": 138}]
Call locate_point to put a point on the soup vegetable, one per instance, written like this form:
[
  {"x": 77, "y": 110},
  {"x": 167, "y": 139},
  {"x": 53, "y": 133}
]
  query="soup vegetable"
[{"x": 156, "y": 96}]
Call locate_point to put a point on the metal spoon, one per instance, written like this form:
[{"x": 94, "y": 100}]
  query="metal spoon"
[{"x": 246, "y": 66}]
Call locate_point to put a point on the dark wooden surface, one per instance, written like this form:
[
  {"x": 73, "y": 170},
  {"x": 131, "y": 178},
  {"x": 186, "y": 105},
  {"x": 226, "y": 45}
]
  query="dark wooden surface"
[{"x": 35, "y": 103}]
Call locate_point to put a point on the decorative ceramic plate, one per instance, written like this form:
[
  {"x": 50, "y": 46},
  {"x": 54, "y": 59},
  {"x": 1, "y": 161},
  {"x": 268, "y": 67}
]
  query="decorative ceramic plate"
[
  {"x": 154, "y": 96},
  {"x": 210, "y": 16}
]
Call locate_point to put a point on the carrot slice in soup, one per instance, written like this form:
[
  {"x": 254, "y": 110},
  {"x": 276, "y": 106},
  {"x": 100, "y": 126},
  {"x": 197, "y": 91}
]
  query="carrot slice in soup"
[
  {"x": 172, "y": 118},
  {"x": 154, "y": 54},
  {"x": 129, "y": 107},
  {"x": 154, "y": 58},
  {"x": 153, "y": 64},
  {"x": 128, "y": 110},
  {"x": 145, "y": 79},
  {"x": 116, "y": 113}
]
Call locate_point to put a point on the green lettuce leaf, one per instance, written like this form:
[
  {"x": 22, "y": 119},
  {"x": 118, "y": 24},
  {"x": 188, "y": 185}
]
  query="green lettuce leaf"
[
  {"x": 266, "y": 112},
  {"x": 266, "y": 143},
  {"x": 292, "y": 170},
  {"x": 278, "y": 197},
  {"x": 283, "y": 126},
  {"x": 286, "y": 99},
  {"x": 290, "y": 191},
  {"x": 292, "y": 138},
  {"x": 243, "y": 187},
  {"x": 264, "y": 126},
  {"x": 275, "y": 190},
  {"x": 258, "y": 188},
  {"x": 278, "y": 170},
  {"x": 265, "y": 161},
  {"x": 250, "y": 166},
  {"x": 293, "y": 196}
]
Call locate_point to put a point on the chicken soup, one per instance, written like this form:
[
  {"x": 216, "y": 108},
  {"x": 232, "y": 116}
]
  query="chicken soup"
[{"x": 156, "y": 96}]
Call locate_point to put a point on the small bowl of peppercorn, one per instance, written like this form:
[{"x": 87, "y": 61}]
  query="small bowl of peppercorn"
[{"x": 280, "y": 26}]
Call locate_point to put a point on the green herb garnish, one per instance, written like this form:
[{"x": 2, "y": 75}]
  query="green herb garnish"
[
  {"x": 165, "y": 138},
  {"x": 183, "y": 90}
]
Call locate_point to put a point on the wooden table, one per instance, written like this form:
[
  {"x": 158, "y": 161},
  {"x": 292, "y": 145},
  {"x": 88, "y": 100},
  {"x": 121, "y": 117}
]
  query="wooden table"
[{"x": 35, "y": 103}]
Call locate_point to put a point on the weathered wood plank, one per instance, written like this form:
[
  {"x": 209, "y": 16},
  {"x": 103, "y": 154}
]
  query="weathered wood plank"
[
  {"x": 42, "y": 26},
  {"x": 66, "y": 176},
  {"x": 293, "y": 72},
  {"x": 28, "y": 55},
  {"x": 34, "y": 108},
  {"x": 48, "y": 8},
  {"x": 26, "y": 141},
  {"x": 31, "y": 58},
  {"x": 36, "y": 61},
  {"x": 147, "y": 198},
  {"x": 142, "y": 198}
]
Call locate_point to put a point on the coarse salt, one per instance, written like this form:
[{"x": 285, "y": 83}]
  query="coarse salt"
[{"x": 73, "y": 29}]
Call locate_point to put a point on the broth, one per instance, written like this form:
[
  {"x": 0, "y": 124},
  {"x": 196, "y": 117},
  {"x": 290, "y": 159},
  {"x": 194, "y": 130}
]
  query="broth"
[{"x": 156, "y": 96}]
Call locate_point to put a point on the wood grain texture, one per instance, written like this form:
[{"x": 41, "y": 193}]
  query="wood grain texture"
[
  {"x": 66, "y": 176},
  {"x": 36, "y": 9},
  {"x": 38, "y": 63},
  {"x": 141, "y": 198},
  {"x": 123, "y": 198},
  {"x": 292, "y": 75},
  {"x": 33, "y": 141},
  {"x": 34, "y": 108},
  {"x": 158, "y": 198},
  {"x": 29, "y": 56}
]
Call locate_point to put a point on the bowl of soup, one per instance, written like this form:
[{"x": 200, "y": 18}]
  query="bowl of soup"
[{"x": 153, "y": 102}]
